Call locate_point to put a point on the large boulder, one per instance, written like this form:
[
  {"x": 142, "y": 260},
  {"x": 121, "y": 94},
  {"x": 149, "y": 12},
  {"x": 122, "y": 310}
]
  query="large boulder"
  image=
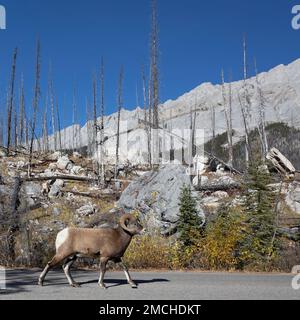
[
  {"x": 293, "y": 197},
  {"x": 156, "y": 195}
]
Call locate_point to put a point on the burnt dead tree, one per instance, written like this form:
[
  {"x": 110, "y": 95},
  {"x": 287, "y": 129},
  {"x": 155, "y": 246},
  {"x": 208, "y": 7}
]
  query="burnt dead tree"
[
  {"x": 52, "y": 106},
  {"x": 228, "y": 117},
  {"x": 102, "y": 113},
  {"x": 120, "y": 106},
  {"x": 11, "y": 99},
  {"x": 154, "y": 83},
  {"x": 245, "y": 103},
  {"x": 261, "y": 116},
  {"x": 35, "y": 103},
  {"x": 22, "y": 114}
]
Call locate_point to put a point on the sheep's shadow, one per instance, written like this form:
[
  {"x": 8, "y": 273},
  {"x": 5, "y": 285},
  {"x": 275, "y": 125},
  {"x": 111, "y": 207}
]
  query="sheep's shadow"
[{"x": 121, "y": 282}]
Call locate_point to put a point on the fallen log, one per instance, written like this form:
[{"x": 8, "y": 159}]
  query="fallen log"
[
  {"x": 59, "y": 177},
  {"x": 218, "y": 187},
  {"x": 91, "y": 195},
  {"x": 67, "y": 177}
]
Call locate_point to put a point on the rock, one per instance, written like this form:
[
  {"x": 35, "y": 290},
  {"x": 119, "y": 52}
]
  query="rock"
[
  {"x": 107, "y": 191},
  {"x": 59, "y": 225},
  {"x": 220, "y": 170},
  {"x": 52, "y": 166},
  {"x": 199, "y": 180},
  {"x": 220, "y": 194},
  {"x": 293, "y": 197},
  {"x": 55, "y": 191},
  {"x": 46, "y": 187},
  {"x": 77, "y": 155},
  {"x": 86, "y": 210},
  {"x": 77, "y": 170},
  {"x": 64, "y": 163},
  {"x": 212, "y": 202},
  {"x": 70, "y": 196},
  {"x": 59, "y": 183},
  {"x": 201, "y": 164},
  {"x": 56, "y": 212},
  {"x": 54, "y": 156},
  {"x": 3, "y": 153},
  {"x": 225, "y": 181},
  {"x": 21, "y": 164},
  {"x": 156, "y": 195},
  {"x": 31, "y": 189}
]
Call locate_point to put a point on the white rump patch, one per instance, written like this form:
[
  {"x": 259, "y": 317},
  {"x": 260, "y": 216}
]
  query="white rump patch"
[{"x": 61, "y": 238}]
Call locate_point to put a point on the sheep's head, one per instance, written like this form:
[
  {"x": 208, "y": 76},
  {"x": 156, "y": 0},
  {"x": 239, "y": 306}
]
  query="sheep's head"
[{"x": 131, "y": 224}]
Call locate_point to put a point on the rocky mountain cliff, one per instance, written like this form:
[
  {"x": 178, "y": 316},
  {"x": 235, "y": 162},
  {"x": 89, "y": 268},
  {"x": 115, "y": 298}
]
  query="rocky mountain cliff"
[{"x": 281, "y": 93}]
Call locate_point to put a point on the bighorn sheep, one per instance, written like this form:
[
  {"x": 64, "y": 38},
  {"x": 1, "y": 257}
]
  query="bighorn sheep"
[{"x": 108, "y": 243}]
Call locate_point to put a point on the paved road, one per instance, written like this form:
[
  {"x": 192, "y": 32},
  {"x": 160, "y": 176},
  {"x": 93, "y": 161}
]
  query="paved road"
[{"x": 152, "y": 286}]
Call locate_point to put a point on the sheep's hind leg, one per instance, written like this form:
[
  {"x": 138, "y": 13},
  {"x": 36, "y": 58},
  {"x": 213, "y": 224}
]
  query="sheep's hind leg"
[
  {"x": 103, "y": 263},
  {"x": 128, "y": 277},
  {"x": 56, "y": 260},
  {"x": 66, "y": 267}
]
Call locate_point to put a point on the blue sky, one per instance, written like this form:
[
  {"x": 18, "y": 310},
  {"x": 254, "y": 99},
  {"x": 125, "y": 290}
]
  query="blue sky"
[{"x": 197, "y": 39}]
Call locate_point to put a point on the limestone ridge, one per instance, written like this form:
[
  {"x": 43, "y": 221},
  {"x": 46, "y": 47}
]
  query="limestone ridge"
[{"x": 280, "y": 88}]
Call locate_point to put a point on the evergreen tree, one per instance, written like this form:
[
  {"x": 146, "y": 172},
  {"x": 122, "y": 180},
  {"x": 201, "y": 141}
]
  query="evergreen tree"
[
  {"x": 258, "y": 245},
  {"x": 189, "y": 220}
]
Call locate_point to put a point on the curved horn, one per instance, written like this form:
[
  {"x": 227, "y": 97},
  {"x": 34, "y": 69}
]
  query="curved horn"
[{"x": 124, "y": 220}]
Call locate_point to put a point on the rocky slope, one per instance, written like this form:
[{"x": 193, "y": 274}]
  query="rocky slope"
[{"x": 281, "y": 93}]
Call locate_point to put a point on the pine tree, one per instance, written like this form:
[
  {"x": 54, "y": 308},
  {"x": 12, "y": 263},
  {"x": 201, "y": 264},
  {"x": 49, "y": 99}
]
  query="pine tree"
[
  {"x": 259, "y": 210},
  {"x": 189, "y": 220}
]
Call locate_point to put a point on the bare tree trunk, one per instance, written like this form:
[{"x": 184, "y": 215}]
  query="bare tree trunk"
[
  {"x": 11, "y": 99},
  {"x": 22, "y": 112},
  {"x": 15, "y": 128},
  {"x": 35, "y": 102},
  {"x": 45, "y": 128},
  {"x": 53, "y": 122},
  {"x": 227, "y": 112},
  {"x": 89, "y": 129},
  {"x": 120, "y": 106},
  {"x": 155, "y": 82},
  {"x": 150, "y": 121},
  {"x": 26, "y": 126},
  {"x": 74, "y": 107},
  {"x": 102, "y": 112},
  {"x": 58, "y": 125},
  {"x": 230, "y": 122},
  {"x": 213, "y": 128},
  {"x": 95, "y": 131},
  {"x": 245, "y": 105},
  {"x": 262, "y": 116},
  {"x": 147, "y": 124}
]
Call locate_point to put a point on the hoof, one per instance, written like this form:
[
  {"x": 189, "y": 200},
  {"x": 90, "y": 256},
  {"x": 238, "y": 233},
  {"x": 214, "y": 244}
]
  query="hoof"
[
  {"x": 102, "y": 286},
  {"x": 133, "y": 285},
  {"x": 75, "y": 285},
  {"x": 40, "y": 283}
]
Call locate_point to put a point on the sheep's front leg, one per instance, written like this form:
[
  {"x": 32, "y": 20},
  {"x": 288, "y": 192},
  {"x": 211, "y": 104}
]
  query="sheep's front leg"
[
  {"x": 128, "y": 277},
  {"x": 103, "y": 263},
  {"x": 66, "y": 267}
]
